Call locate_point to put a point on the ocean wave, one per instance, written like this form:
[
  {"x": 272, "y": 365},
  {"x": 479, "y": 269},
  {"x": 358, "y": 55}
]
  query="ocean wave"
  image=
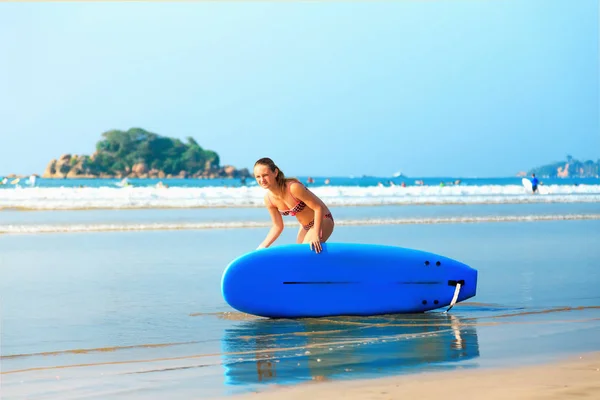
[
  {"x": 338, "y": 196},
  {"x": 76, "y": 228}
]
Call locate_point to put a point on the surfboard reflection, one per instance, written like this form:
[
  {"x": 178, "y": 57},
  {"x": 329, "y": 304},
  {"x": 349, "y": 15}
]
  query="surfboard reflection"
[{"x": 284, "y": 351}]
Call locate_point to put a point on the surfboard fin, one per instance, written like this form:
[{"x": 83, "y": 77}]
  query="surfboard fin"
[{"x": 456, "y": 291}]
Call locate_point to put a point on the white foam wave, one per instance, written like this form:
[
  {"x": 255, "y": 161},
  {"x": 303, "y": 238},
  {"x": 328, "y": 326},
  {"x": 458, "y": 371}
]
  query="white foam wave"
[
  {"x": 148, "y": 197},
  {"x": 76, "y": 228}
]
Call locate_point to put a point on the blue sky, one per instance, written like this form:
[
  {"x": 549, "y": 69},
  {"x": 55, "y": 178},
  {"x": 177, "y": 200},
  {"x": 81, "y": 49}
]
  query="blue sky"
[{"x": 429, "y": 88}]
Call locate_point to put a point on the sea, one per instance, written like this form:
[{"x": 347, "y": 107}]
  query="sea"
[{"x": 111, "y": 289}]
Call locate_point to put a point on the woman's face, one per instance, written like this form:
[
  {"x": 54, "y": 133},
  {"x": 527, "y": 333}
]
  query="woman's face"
[{"x": 264, "y": 176}]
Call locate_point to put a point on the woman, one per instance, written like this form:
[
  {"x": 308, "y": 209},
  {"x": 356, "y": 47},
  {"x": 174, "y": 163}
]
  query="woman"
[{"x": 287, "y": 196}]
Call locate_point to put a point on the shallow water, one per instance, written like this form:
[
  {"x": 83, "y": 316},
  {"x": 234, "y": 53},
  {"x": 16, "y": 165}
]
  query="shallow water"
[
  {"x": 140, "y": 314},
  {"x": 210, "y": 218}
]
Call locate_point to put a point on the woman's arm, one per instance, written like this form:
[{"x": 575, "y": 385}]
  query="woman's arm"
[
  {"x": 277, "y": 227},
  {"x": 312, "y": 201}
]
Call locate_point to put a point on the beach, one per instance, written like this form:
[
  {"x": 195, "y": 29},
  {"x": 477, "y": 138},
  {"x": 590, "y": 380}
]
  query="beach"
[
  {"x": 576, "y": 377},
  {"x": 450, "y": 162},
  {"x": 125, "y": 303}
]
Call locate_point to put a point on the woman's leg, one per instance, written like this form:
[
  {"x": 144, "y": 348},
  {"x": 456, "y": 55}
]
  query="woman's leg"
[
  {"x": 326, "y": 229},
  {"x": 301, "y": 235}
]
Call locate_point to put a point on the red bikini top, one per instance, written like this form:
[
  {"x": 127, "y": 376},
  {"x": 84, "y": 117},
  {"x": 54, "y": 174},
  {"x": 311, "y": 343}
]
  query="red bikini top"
[{"x": 300, "y": 205}]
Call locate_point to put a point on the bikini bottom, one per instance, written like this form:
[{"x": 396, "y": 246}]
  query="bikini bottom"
[{"x": 312, "y": 223}]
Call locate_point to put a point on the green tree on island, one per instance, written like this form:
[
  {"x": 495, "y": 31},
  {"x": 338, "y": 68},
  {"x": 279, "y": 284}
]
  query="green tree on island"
[{"x": 121, "y": 150}]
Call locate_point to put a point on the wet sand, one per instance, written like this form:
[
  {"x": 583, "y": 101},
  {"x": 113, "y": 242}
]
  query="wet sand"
[
  {"x": 120, "y": 317},
  {"x": 575, "y": 377}
]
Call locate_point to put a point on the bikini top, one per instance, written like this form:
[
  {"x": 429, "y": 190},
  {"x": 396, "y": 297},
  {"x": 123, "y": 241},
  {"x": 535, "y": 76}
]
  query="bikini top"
[{"x": 300, "y": 205}]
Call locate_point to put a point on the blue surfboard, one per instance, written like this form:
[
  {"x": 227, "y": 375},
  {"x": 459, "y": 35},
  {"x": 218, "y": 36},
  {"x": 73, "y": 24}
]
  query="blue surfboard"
[{"x": 291, "y": 281}]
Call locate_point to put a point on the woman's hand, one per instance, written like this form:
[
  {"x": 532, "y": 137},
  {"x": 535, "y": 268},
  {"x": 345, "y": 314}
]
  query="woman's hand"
[{"x": 314, "y": 240}]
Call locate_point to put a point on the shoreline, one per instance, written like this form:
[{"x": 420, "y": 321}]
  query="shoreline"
[{"x": 573, "y": 376}]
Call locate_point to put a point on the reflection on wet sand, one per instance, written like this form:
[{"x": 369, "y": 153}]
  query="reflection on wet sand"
[
  {"x": 329, "y": 345},
  {"x": 287, "y": 351}
]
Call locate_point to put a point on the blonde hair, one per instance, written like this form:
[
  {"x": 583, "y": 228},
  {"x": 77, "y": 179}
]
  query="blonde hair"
[{"x": 280, "y": 178}]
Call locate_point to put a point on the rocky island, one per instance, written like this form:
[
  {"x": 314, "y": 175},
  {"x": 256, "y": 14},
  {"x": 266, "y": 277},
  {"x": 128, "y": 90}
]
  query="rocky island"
[
  {"x": 137, "y": 153},
  {"x": 571, "y": 168}
]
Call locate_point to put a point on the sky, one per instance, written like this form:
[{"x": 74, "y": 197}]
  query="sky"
[{"x": 458, "y": 88}]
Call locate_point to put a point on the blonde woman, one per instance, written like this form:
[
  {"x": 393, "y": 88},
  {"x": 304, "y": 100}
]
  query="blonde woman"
[{"x": 288, "y": 196}]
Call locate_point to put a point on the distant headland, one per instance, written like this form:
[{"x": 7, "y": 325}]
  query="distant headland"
[
  {"x": 570, "y": 168},
  {"x": 137, "y": 153}
]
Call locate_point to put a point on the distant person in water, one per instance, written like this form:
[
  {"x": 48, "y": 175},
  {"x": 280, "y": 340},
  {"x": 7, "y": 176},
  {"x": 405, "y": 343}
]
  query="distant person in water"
[
  {"x": 288, "y": 196},
  {"x": 534, "y": 183}
]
